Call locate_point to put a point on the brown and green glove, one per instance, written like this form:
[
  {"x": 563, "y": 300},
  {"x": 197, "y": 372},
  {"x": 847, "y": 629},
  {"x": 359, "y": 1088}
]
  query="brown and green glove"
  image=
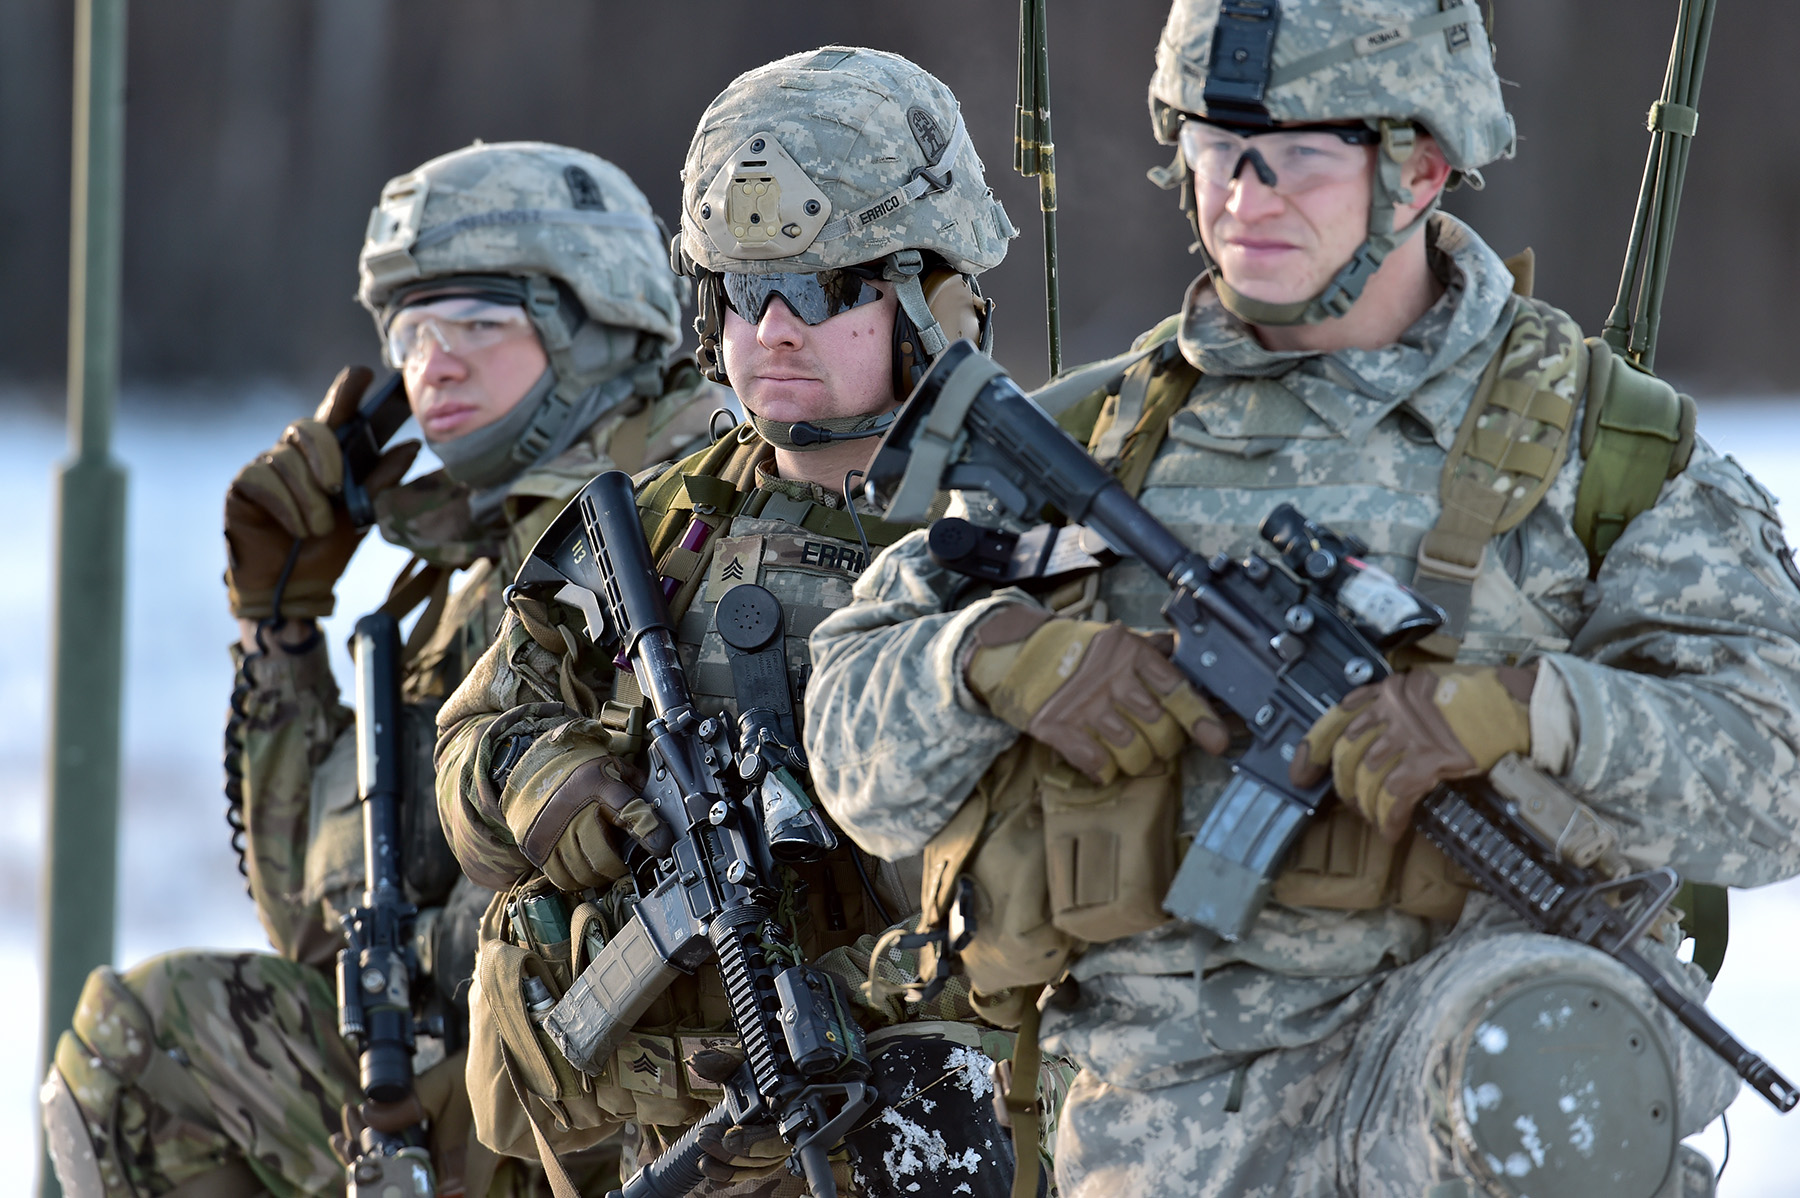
[
  {"x": 1390, "y": 744},
  {"x": 575, "y": 836},
  {"x": 291, "y": 493},
  {"x": 1107, "y": 699}
]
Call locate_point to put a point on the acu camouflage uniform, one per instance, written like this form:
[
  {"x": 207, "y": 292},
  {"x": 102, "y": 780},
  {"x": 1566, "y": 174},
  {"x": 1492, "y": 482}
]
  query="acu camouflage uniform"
[
  {"x": 229, "y": 1065},
  {"x": 1313, "y": 1056}
]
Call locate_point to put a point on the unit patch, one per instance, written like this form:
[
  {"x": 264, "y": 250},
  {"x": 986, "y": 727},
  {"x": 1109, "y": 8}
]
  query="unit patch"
[
  {"x": 584, "y": 193},
  {"x": 925, "y": 130}
]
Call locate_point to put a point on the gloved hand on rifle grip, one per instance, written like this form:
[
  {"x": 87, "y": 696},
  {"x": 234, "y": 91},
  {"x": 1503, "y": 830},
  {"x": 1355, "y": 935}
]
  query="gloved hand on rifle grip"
[
  {"x": 1106, "y": 698},
  {"x": 738, "y": 1153},
  {"x": 292, "y": 492},
  {"x": 1389, "y": 744},
  {"x": 575, "y": 835}
]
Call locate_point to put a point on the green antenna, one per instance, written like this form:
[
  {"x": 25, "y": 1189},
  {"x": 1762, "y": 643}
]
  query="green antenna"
[
  {"x": 1035, "y": 154},
  {"x": 1636, "y": 314}
]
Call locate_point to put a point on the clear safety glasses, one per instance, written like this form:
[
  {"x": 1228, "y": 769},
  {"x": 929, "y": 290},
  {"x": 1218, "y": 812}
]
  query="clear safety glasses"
[
  {"x": 461, "y": 325},
  {"x": 1288, "y": 160},
  {"x": 815, "y": 297}
]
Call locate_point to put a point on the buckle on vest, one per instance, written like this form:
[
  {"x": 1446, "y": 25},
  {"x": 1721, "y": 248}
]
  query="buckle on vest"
[{"x": 1431, "y": 564}]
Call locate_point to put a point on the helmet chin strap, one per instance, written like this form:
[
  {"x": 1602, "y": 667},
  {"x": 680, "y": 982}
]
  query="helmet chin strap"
[
  {"x": 1398, "y": 142},
  {"x": 803, "y": 436}
]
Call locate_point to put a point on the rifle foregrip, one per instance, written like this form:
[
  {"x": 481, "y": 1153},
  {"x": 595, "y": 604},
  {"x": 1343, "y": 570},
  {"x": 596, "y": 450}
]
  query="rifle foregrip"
[
  {"x": 609, "y": 997},
  {"x": 677, "y": 1171}
]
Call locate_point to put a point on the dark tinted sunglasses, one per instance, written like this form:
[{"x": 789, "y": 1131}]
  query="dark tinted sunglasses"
[{"x": 815, "y": 297}]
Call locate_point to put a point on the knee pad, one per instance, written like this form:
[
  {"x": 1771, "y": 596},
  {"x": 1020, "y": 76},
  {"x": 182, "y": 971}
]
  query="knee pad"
[
  {"x": 106, "y": 1050},
  {"x": 1561, "y": 1085},
  {"x": 75, "y": 1150}
]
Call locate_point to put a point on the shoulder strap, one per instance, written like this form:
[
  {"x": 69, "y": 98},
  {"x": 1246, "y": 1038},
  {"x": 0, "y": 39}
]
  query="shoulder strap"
[
  {"x": 1133, "y": 422},
  {"x": 1636, "y": 434},
  {"x": 1512, "y": 442}
]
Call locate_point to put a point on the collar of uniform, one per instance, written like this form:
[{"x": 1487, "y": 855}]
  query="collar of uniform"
[
  {"x": 432, "y": 516},
  {"x": 1351, "y": 390},
  {"x": 794, "y": 489}
]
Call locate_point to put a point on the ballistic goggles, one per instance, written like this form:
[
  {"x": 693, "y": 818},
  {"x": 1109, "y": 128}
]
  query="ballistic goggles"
[
  {"x": 815, "y": 296},
  {"x": 458, "y": 325},
  {"x": 1290, "y": 160}
]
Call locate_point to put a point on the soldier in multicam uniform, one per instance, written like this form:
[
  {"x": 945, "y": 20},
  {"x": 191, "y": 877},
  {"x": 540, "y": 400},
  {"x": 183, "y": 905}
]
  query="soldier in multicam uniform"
[
  {"x": 523, "y": 293},
  {"x": 1330, "y": 361},
  {"x": 835, "y": 216}
]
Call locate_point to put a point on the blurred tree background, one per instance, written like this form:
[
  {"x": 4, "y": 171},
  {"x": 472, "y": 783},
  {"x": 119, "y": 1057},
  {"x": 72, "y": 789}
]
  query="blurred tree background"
[{"x": 259, "y": 133}]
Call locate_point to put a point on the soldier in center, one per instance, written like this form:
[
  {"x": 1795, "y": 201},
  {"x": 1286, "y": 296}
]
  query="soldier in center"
[{"x": 835, "y": 217}]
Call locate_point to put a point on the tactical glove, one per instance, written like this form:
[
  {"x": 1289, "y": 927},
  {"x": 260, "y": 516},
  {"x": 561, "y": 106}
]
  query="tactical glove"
[
  {"x": 292, "y": 493},
  {"x": 739, "y": 1153},
  {"x": 1389, "y": 745},
  {"x": 575, "y": 836},
  {"x": 1104, "y": 697}
]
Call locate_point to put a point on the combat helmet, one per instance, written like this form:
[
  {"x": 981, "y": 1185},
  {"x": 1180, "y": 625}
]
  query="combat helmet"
[
  {"x": 834, "y": 158},
  {"x": 1399, "y": 66},
  {"x": 561, "y": 232}
]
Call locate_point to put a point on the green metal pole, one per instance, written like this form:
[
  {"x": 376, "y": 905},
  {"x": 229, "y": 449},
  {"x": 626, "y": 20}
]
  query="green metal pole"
[{"x": 81, "y": 834}]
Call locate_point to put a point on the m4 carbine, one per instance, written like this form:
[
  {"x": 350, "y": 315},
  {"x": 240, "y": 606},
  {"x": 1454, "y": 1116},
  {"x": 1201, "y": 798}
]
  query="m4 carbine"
[
  {"x": 376, "y": 966},
  {"x": 1279, "y": 643},
  {"x": 712, "y": 898}
]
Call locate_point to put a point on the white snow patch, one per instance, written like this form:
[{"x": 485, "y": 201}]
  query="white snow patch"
[
  {"x": 1581, "y": 1135},
  {"x": 1484, "y": 1097},
  {"x": 977, "y": 1070},
  {"x": 919, "y": 1149},
  {"x": 1529, "y": 1139}
]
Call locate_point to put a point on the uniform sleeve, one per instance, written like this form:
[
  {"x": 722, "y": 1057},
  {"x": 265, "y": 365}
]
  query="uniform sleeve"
[
  {"x": 1685, "y": 683},
  {"x": 506, "y": 740},
  {"x": 895, "y": 739},
  {"x": 291, "y": 719}
]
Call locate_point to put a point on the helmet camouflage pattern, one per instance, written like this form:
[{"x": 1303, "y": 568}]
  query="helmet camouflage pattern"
[
  {"x": 836, "y": 157},
  {"x": 525, "y": 209},
  {"x": 842, "y": 157},
  {"x": 1335, "y": 60},
  {"x": 1402, "y": 67}
]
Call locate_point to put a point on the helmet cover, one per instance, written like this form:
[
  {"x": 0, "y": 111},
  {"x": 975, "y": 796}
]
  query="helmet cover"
[
  {"x": 836, "y": 157},
  {"x": 525, "y": 209}
]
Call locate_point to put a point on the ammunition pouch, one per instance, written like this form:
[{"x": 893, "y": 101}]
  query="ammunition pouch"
[
  {"x": 516, "y": 1076},
  {"x": 1342, "y": 863},
  {"x": 1038, "y": 862}
]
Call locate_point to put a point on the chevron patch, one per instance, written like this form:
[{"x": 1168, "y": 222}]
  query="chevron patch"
[{"x": 735, "y": 560}]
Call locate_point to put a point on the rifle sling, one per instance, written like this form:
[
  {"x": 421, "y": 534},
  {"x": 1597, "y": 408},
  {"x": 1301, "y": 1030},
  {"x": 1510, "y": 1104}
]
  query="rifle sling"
[{"x": 560, "y": 1183}]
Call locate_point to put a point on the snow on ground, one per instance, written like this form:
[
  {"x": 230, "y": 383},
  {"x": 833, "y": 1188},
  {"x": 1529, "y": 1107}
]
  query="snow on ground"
[{"x": 179, "y": 885}]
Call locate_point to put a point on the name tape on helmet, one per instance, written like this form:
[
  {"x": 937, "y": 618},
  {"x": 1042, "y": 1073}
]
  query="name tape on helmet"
[
  {"x": 636, "y": 222},
  {"x": 922, "y": 181},
  {"x": 1379, "y": 40}
]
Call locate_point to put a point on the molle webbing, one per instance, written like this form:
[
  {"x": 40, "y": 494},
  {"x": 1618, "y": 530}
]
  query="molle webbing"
[
  {"x": 1133, "y": 423},
  {"x": 712, "y": 487},
  {"x": 1511, "y": 445}
]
